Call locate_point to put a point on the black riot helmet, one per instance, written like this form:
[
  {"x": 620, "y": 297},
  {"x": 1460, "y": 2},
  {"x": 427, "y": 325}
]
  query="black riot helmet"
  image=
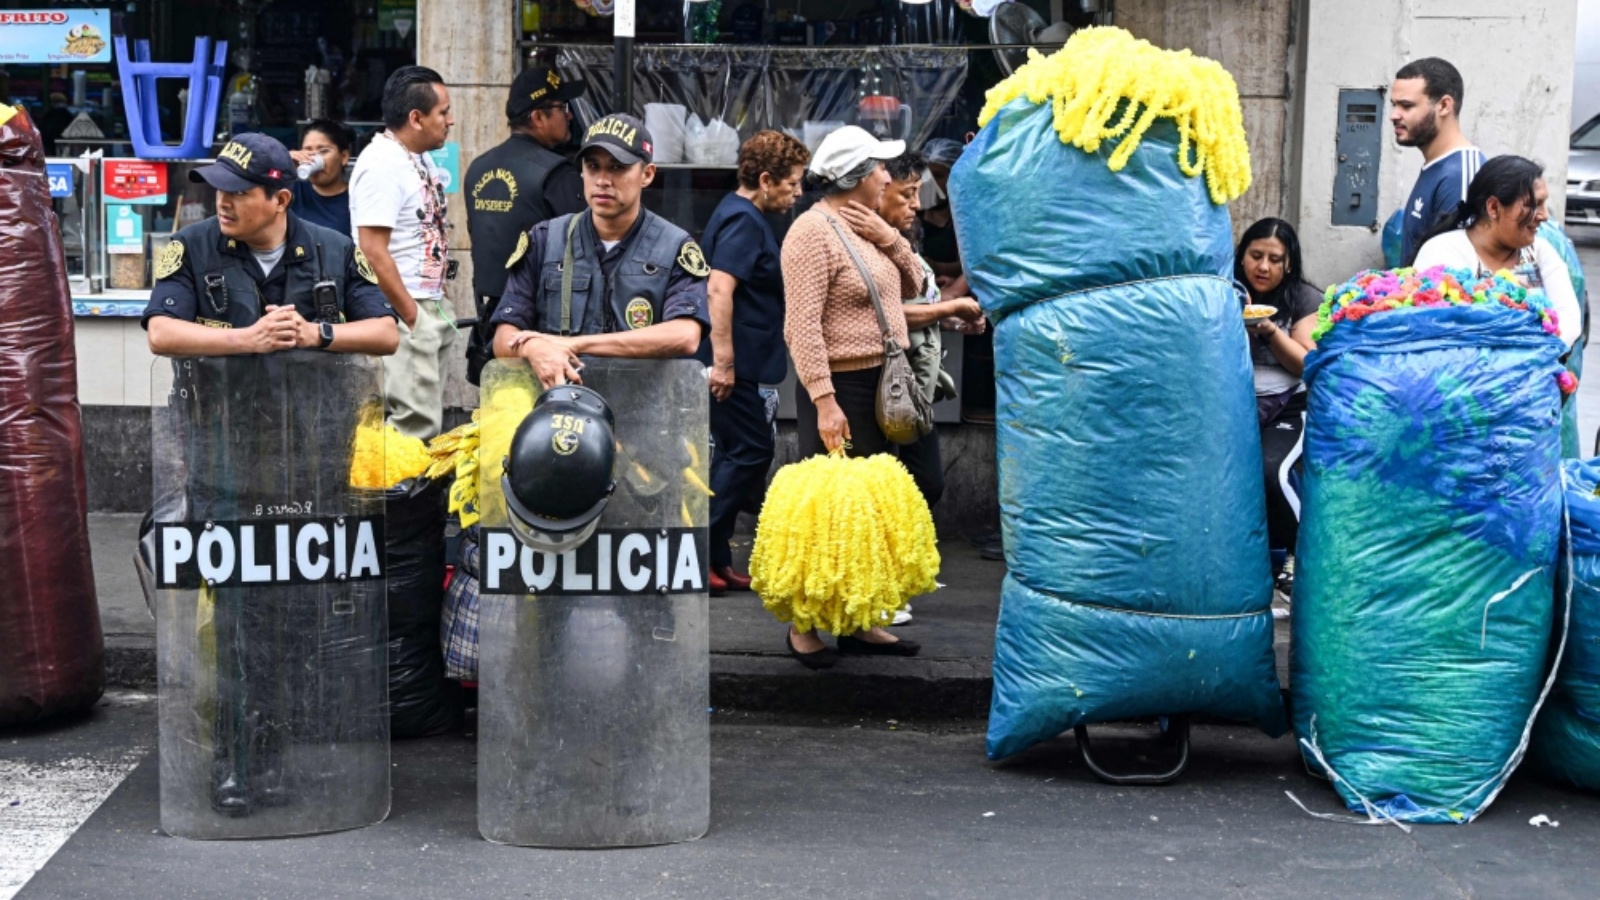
[{"x": 558, "y": 474}]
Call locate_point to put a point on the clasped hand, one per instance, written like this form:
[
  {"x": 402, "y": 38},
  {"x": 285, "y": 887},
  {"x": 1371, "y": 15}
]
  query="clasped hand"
[
  {"x": 550, "y": 356},
  {"x": 281, "y": 328}
]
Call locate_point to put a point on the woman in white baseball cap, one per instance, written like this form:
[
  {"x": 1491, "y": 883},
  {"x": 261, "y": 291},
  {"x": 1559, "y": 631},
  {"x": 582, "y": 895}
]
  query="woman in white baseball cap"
[{"x": 832, "y": 329}]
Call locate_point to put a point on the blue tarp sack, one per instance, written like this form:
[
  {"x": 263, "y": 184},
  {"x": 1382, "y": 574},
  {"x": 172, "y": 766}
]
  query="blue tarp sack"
[
  {"x": 1129, "y": 455},
  {"x": 1572, "y": 443},
  {"x": 1566, "y": 738},
  {"x": 1431, "y": 516}
]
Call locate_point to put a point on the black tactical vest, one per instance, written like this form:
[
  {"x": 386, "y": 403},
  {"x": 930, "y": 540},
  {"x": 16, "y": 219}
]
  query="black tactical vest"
[
  {"x": 504, "y": 198},
  {"x": 228, "y": 279},
  {"x": 634, "y": 295}
]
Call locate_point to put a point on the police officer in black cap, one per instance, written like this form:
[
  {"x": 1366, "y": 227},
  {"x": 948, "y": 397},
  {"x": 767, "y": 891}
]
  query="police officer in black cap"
[
  {"x": 517, "y": 185},
  {"x": 614, "y": 280},
  {"x": 254, "y": 278}
]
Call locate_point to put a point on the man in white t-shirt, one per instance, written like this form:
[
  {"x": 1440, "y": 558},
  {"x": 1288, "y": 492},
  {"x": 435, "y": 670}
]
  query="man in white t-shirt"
[{"x": 397, "y": 211}]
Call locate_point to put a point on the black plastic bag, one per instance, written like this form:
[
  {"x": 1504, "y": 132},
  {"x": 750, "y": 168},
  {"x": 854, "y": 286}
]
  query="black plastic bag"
[{"x": 421, "y": 701}]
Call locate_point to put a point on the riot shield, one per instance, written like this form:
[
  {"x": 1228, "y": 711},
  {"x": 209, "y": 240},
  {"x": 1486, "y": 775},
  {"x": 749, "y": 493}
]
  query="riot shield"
[
  {"x": 270, "y": 615},
  {"x": 594, "y": 671}
]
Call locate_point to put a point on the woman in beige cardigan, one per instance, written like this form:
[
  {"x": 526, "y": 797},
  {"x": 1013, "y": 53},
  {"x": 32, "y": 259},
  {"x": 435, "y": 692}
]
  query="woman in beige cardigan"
[{"x": 832, "y": 330}]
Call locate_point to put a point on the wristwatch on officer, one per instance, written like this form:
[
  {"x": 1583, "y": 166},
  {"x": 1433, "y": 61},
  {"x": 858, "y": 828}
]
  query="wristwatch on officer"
[{"x": 326, "y": 330}]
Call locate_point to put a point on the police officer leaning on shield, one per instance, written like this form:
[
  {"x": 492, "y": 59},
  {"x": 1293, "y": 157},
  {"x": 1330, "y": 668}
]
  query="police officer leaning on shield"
[
  {"x": 516, "y": 185},
  {"x": 254, "y": 278},
  {"x": 615, "y": 280}
]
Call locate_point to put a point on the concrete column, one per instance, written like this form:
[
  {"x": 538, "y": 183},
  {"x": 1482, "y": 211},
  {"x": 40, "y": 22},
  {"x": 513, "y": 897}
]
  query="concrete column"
[
  {"x": 1251, "y": 39},
  {"x": 473, "y": 44},
  {"x": 1515, "y": 58}
]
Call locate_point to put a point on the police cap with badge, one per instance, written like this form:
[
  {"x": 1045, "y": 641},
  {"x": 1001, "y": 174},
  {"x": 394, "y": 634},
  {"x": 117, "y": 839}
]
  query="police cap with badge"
[{"x": 540, "y": 87}]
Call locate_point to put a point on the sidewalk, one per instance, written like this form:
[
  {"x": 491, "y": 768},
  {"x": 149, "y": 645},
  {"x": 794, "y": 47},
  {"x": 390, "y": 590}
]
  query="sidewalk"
[{"x": 750, "y": 665}]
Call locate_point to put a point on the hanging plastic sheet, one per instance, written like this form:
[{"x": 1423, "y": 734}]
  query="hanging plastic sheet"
[
  {"x": 1130, "y": 459},
  {"x": 270, "y": 614},
  {"x": 1426, "y": 563},
  {"x": 751, "y": 88},
  {"x": 51, "y": 655},
  {"x": 594, "y": 668},
  {"x": 1566, "y": 738}
]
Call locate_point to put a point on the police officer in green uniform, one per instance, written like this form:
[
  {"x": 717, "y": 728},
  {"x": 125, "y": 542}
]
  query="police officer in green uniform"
[
  {"x": 614, "y": 280},
  {"x": 517, "y": 185},
  {"x": 252, "y": 280}
]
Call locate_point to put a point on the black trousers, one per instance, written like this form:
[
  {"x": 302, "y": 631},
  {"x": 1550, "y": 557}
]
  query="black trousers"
[
  {"x": 740, "y": 463},
  {"x": 1282, "y": 467},
  {"x": 857, "y": 394}
]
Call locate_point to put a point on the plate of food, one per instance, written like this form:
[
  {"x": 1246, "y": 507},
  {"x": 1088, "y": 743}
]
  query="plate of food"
[{"x": 1255, "y": 312}]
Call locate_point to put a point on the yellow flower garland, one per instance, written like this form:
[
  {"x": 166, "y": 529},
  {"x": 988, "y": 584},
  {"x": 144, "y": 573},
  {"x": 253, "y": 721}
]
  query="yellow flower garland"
[
  {"x": 382, "y": 456},
  {"x": 1088, "y": 79},
  {"x": 843, "y": 543}
]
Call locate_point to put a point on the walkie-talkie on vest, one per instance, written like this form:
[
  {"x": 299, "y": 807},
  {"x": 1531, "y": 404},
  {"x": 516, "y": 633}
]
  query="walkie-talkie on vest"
[{"x": 325, "y": 293}]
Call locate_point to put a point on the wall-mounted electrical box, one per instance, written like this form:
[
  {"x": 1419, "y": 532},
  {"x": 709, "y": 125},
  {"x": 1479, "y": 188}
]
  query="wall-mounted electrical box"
[{"x": 1359, "y": 147}]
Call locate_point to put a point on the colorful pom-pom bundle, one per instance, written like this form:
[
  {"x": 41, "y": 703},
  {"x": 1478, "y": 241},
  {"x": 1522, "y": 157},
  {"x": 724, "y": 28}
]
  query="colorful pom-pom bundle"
[
  {"x": 1386, "y": 290},
  {"x": 1392, "y": 290},
  {"x": 1106, "y": 85},
  {"x": 843, "y": 543}
]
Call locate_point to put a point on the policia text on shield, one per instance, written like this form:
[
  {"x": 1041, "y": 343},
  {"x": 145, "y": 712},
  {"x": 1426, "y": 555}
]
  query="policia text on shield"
[
  {"x": 256, "y": 279},
  {"x": 615, "y": 280}
]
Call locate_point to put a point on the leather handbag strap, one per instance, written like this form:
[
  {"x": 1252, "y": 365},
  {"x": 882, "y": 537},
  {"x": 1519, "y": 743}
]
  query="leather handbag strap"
[{"x": 872, "y": 286}]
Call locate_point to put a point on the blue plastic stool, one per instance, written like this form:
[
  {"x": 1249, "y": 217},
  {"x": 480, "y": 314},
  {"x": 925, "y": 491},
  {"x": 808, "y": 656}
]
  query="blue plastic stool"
[{"x": 139, "y": 74}]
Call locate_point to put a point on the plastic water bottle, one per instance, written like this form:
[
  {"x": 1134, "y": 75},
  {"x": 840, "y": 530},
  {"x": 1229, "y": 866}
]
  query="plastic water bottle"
[{"x": 307, "y": 169}]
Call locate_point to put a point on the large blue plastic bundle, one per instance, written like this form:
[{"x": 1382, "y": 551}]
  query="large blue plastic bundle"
[
  {"x": 1572, "y": 443},
  {"x": 1129, "y": 455},
  {"x": 1566, "y": 739},
  {"x": 1426, "y": 562}
]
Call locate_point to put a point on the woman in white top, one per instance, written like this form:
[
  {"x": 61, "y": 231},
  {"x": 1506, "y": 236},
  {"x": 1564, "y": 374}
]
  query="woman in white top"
[{"x": 1496, "y": 228}]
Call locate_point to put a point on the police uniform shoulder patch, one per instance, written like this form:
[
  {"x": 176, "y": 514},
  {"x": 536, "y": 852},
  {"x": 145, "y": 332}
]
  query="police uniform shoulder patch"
[
  {"x": 170, "y": 260},
  {"x": 364, "y": 268},
  {"x": 693, "y": 260},
  {"x": 517, "y": 254}
]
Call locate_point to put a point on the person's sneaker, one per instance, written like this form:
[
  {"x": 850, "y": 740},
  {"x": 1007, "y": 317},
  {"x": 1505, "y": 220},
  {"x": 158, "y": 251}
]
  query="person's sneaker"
[
  {"x": 902, "y": 615},
  {"x": 1280, "y": 605},
  {"x": 994, "y": 550},
  {"x": 1284, "y": 583}
]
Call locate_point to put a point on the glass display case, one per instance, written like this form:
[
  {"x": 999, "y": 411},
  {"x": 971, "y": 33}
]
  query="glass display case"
[{"x": 116, "y": 215}]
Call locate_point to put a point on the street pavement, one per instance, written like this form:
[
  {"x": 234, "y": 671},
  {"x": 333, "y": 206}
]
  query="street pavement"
[{"x": 851, "y": 807}]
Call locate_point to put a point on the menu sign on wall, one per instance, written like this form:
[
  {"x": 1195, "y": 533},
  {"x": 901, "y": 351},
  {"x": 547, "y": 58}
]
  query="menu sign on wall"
[
  {"x": 134, "y": 181},
  {"x": 55, "y": 36}
]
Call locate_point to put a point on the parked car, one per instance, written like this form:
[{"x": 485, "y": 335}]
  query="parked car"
[{"x": 1583, "y": 175}]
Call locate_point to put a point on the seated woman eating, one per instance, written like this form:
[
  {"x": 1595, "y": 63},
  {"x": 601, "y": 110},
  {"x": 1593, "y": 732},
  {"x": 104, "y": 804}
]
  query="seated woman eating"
[{"x": 1267, "y": 262}]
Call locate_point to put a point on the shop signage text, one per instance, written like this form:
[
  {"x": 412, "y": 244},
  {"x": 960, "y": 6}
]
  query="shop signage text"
[{"x": 55, "y": 36}]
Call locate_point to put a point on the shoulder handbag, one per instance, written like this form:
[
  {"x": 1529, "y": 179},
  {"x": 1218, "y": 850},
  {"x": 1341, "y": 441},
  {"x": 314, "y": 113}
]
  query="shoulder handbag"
[{"x": 903, "y": 413}]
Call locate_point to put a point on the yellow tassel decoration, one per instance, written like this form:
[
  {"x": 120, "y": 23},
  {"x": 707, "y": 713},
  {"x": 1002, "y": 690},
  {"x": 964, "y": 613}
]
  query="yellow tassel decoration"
[
  {"x": 1088, "y": 80},
  {"x": 383, "y": 457},
  {"x": 843, "y": 543}
]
